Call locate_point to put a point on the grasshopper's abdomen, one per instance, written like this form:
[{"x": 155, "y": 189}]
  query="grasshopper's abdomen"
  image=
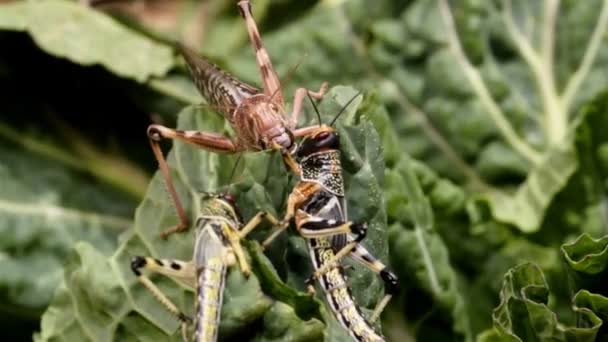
[
  {"x": 209, "y": 295},
  {"x": 218, "y": 87},
  {"x": 338, "y": 294}
]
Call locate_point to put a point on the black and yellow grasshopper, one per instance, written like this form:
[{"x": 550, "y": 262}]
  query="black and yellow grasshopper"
[
  {"x": 219, "y": 229},
  {"x": 317, "y": 206}
]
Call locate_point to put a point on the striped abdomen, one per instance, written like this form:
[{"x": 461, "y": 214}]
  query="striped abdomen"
[
  {"x": 338, "y": 294},
  {"x": 217, "y": 86},
  {"x": 209, "y": 295}
]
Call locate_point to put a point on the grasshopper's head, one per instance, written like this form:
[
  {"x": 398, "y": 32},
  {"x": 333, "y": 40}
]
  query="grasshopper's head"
[
  {"x": 261, "y": 125},
  {"x": 322, "y": 139},
  {"x": 221, "y": 204}
]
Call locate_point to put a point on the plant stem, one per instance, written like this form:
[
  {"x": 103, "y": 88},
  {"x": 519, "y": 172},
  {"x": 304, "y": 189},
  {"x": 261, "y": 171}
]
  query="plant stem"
[
  {"x": 478, "y": 85},
  {"x": 593, "y": 46}
]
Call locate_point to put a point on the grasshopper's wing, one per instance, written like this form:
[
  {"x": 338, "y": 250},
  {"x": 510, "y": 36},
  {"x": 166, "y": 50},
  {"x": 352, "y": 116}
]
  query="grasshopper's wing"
[
  {"x": 210, "y": 260},
  {"x": 218, "y": 87},
  {"x": 335, "y": 209}
]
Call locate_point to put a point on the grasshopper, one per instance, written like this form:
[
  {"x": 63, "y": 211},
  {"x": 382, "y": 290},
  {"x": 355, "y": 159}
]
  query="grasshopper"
[
  {"x": 257, "y": 117},
  {"x": 219, "y": 229},
  {"x": 318, "y": 207}
]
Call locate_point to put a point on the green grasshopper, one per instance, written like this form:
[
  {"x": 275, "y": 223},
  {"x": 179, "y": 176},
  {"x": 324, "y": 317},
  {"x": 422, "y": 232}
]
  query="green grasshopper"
[
  {"x": 317, "y": 206},
  {"x": 219, "y": 229},
  {"x": 257, "y": 117}
]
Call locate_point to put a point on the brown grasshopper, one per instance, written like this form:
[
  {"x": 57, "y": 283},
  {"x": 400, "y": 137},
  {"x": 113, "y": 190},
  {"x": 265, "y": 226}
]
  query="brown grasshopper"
[{"x": 258, "y": 118}]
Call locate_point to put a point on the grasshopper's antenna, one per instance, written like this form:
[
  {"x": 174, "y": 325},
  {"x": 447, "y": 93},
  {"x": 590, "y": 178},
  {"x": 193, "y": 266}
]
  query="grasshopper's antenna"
[
  {"x": 344, "y": 108},
  {"x": 315, "y": 107},
  {"x": 233, "y": 172}
]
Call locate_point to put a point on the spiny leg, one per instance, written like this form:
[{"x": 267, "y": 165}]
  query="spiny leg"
[
  {"x": 256, "y": 220},
  {"x": 316, "y": 228},
  {"x": 209, "y": 141},
  {"x": 281, "y": 225},
  {"x": 293, "y": 201},
  {"x": 234, "y": 238},
  {"x": 275, "y": 234},
  {"x": 391, "y": 282},
  {"x": 272, "y": 85},
  {"x": 182, "y": 271}
]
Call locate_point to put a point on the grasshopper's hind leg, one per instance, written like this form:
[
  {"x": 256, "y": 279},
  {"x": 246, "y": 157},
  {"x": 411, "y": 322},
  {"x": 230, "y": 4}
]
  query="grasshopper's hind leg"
[
  {"x": 391, "y": 282},
  {"x": 315, "y": 228},
  {"x": 272, "y": 85},
  {"x": 206, "y": 140},
  {"x": 182, "y": 271}
]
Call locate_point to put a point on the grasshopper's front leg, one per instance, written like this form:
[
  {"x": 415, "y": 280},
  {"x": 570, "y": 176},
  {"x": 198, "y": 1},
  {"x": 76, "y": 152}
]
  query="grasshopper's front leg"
[
  {"x": 298, "y": 195},
  {"x": 312, "y": 228},
  {"x": 234, "y": 238},
  {"x": 298, "y": 99},
  {"x": 207, "y": 140}
]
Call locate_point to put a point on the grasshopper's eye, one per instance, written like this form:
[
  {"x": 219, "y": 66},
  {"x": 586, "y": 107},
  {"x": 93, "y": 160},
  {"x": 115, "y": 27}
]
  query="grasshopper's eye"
[
  {"x": 327, "y": 140},
  {"x": 322, "y": 136},
  {"x": 229, "y": 198}
]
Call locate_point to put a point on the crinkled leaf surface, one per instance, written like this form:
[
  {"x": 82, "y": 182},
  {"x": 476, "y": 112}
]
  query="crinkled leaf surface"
[
  {"x": 85, "y": 36},
  {"x": 523, "y": 313},
  {"x": 587, "y": 259},
  {"x": 587, "y": 255}
]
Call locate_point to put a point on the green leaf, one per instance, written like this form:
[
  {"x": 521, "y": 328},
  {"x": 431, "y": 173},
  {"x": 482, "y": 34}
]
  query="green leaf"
[
  {"x": 419, "y": 251},
  {"x": 523, "y": 314},
  {"x": 596, "y": 303},
  {"x": 591, "y": 143},
  {"x": 525, "y": 209},
  {"x": 587, "y": 255},
  {"x": 587, "y": 259},
  {"x": 46, "y": 207},
  {"x": 70, "y": 30},
  {"x": 284, "y": 325}
]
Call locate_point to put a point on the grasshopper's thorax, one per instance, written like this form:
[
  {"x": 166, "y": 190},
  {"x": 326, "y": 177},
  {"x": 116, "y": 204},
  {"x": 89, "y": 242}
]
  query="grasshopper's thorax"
[
  {"x": 319, "y": 159},
  {"x": 220, "y": 207},
  {"x": 260, "y": 124}
]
